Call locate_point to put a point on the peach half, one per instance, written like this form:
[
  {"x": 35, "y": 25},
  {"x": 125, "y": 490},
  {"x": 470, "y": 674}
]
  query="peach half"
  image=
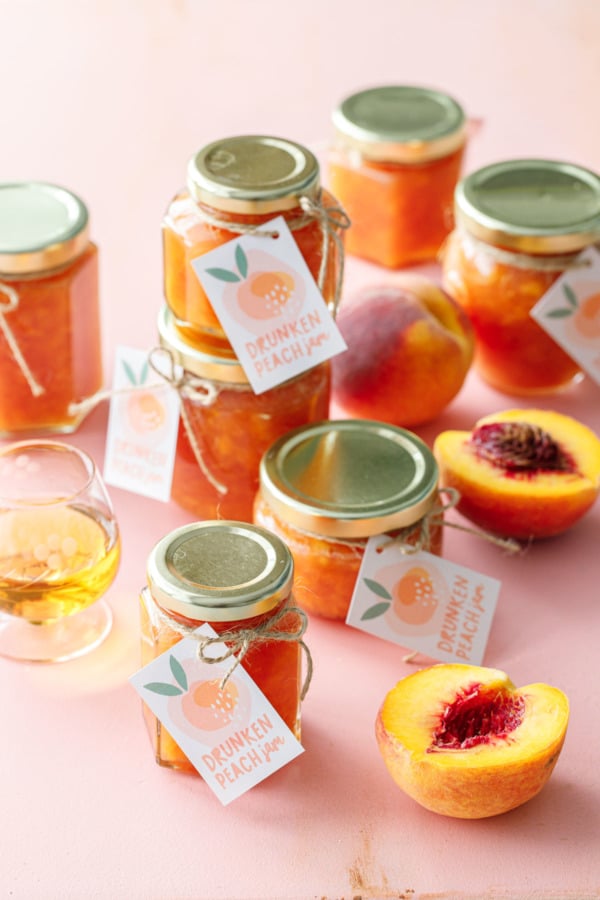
[
  {"x": 522, "y": 473},
  {"x": 410, "y": 347},
  {"x": 463, "y": 741}
]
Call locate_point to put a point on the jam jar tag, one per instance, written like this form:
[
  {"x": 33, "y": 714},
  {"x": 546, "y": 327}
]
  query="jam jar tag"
[
  {"x": 142, "y": 428},
  {"x": 225, "y": 725},
  {"x": 570, "y": 312},
  {"x": 423, "y": 602},
  {"x": 269, "y": 305}
]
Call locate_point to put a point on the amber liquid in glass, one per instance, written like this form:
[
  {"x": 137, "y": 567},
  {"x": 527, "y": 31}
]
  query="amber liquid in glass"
[{"x": 55, "y": 562}]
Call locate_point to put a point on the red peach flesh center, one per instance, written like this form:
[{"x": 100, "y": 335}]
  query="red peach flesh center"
[
  {"x": 477, "y": 717},
  {"x": 520, "y": 447}
]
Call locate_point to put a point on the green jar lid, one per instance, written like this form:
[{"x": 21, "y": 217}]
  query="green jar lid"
[
  {"x": 253, "y": 174},
  {"x": 349, "y": 478},
  {"x": 220, "y": 571},
  {"x": 400, "y": 123},
  {"x": 204, "y": 362},
  {"x": 42, "y": 226},
  {"x": 531, "y": 205}
]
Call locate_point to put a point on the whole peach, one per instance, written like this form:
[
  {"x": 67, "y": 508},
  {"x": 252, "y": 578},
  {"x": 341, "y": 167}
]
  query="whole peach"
[{"x": 410, "y": 347}]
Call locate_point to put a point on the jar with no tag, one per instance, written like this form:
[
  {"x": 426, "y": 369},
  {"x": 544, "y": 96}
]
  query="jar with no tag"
[
  {"x": 236, "y": 577},
  {"x": 50, "y": 354},
  {"x": 520, "y": 224},
  {"x": 225, "y": 427},
  {"x": 233, "y": 185},
  {"x": 326, "y": 488},
  {"x": 394, "y": 164}
]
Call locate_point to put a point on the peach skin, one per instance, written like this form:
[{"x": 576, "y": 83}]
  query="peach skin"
[{"x": 410, "y": 347}]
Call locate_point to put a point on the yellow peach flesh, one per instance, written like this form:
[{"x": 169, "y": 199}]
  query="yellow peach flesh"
[
  {"x": 480, "y": 781},
  {"x": 522, "y": 505}
]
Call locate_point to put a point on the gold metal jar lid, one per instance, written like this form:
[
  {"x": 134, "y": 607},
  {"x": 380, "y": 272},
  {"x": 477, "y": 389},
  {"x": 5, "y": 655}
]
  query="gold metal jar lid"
[
  {"x": 253, "y": 174},
  {"x": 204, "y": 363},
  {"x": 531, "y": 205},
  {"x": 220, "y": 571},
  {"x": 349, "y": 478},
  {"x": 401, "y": 123},
  {"x": 42, "y": 226}
]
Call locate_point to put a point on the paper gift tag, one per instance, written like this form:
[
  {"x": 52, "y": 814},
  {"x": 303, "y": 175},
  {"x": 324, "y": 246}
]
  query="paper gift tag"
[
  {"x": 423, "y": 602},
  {"x": 142, "y": 428},
  {"x": 570, "y": 312},
  {"x": 269, "y": 305},
  {"x": 231, "y": 734}
]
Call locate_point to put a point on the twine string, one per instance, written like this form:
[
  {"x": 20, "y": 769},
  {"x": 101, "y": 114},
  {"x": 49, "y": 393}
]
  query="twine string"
[
  {"x": 416, "y": 537},
  {"x": 189, "y": 387},
  {"x": 236, "y": 644},
  {"x": 332, "y": 220},
  {"x": 9, "y": 305}
]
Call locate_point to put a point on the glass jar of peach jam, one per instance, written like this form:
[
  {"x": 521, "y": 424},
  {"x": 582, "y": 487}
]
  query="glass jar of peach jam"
[
  {"x": 394, "y": 164},
  {"x": 326, "y": 488},
  {"x": 50, "y": 355},
  {"x": 225, "y": 427},
  {"x": 234, "y": 185},
  {"x": 234, "y": 576},
  {"x": 519, "y": 225}
]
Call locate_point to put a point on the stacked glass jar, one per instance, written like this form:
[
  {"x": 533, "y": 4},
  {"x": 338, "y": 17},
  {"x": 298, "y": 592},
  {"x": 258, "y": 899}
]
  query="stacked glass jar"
[{"x": 233, "y": 186}]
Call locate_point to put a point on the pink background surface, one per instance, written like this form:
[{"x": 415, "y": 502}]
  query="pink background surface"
[{"x": 111, "y": 99}]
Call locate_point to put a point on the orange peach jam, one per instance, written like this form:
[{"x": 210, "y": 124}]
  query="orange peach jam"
[
  {"x": 246, "y": 577},
  {"x": 326, "y": 488},
  {"x": 225, "y": 427},
  {"x": 234, "y": 184},
  {"x": 394, "y": 167},
  {"x": 521, "y": 224},
  {"x": 50, "y": 355}
]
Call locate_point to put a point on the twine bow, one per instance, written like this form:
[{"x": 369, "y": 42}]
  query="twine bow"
[{"x": 237, "y": 643}]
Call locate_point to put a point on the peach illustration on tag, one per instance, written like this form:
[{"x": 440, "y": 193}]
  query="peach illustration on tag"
[
  {"x": 142, "y": 411},
  {"x": 260, "y": 289},
  {"x": 413, "y": 597},
  {"x": 203, "y": 707},
  {"x": 582, "y": 312}
]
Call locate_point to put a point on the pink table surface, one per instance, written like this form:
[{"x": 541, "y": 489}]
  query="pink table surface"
[{"x": 111, "y": 99}]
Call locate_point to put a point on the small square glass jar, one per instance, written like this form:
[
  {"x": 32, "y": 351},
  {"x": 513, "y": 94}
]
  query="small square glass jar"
[
  {"x": 393, "y": 165},
  {"x": 520, "y": 224},
  {"x": 50, "y": 353},
  {"x": 326, "y": 488},
  {"x": 225, "y": 427},
  {"x": 235, "y": 576},
  {"x": 234, "y": 185}
]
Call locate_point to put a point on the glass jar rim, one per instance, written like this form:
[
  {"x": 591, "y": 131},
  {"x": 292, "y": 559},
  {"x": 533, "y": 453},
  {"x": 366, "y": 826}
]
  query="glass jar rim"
[{"x": 203, "y": 362}]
